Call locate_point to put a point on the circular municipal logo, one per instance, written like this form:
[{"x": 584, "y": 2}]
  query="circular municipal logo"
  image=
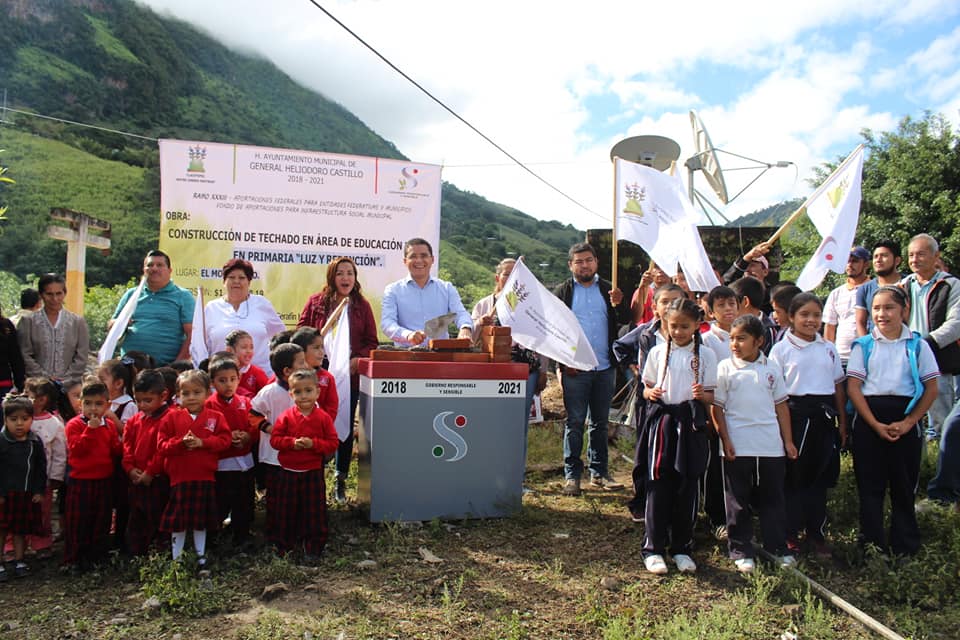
[{"x": 451, "y": 437}]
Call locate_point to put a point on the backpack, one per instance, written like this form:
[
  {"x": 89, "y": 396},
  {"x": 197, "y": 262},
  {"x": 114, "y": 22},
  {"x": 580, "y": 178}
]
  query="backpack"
[{"x": 913, "y": 347}]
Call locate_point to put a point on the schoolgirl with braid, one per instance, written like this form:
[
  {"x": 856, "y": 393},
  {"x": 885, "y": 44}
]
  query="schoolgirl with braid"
[{"x": 679, "y": 377}]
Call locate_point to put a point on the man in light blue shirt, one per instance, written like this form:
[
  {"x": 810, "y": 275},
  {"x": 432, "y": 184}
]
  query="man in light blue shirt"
[
  {"x": 600, "y": 310},
  {"x": 408, "y": 303}
]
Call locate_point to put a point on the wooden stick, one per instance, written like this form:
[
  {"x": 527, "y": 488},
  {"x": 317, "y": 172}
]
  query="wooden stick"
[
  {"x": 203, "y": 317},
  {"x": 332, "y": 320},
  {"x": 803, "y": 208},
  {"x": 616, "y": 248},
  {"x": 867, "y": 621}
]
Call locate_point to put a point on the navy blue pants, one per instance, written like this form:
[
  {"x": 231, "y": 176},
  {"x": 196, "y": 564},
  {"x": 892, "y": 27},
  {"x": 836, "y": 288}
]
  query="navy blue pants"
[
  {"x": 945, "y": 485},
  {"x": 880, "y": 465},
  {"x": 753, "y": 484},
  {"x": 671, "y": 512}
]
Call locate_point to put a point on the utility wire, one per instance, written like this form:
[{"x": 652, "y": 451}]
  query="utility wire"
[
  {"x": 80, "y": 124},
  {"x": 451, "y": 111}
]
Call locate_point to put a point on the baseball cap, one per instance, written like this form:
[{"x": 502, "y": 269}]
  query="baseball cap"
[{"x": 860, "y": 253}]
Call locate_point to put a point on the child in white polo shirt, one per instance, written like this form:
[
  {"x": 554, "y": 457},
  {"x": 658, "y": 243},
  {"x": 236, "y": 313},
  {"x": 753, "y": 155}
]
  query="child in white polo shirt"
[
  {"x": 725, "y": 308},
  {"x": 750, "y": 410},
  {"x": 678, "y": 379},
  {"x": 892, "y": 381},
  {"x": 814, "y": 380}
]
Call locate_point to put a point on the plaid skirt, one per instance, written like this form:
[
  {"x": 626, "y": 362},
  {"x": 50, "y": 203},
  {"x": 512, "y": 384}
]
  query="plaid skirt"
[
  {"x": 301, "y": 511},
  {"x": 192, "y": 505},
  {"x": 88, "y": 515},
  {"x": 20, "y": 515}
]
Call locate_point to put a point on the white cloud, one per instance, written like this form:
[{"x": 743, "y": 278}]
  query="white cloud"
[
  {"x": 942, "y": 54},
  {"x": 652, "y": 94},
  {"x": 885, "y": 80},
  {"x": 524, "y": 72}
]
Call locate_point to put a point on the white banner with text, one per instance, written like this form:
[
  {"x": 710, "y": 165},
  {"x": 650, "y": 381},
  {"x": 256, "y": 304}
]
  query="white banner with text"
[{"x": 291, "y": 213}]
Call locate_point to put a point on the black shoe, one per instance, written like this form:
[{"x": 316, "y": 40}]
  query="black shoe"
[
  {"x": 340, "y": 495},
  {"x": 636, "y": 515},
  {"x": 4, "y": 575},
  {"x": 21, "y": 570}
]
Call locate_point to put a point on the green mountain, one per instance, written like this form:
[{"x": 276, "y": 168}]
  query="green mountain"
[
  {"x": 772, "y": 216},
  {"x": 120, "y": 66}
]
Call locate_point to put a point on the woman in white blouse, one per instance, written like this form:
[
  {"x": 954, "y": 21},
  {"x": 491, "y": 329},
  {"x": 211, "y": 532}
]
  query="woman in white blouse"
[{"x": 240, "y": 309}]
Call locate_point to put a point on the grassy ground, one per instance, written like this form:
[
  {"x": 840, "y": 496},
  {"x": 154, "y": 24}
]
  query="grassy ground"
[{"x": 535, "y": 575}]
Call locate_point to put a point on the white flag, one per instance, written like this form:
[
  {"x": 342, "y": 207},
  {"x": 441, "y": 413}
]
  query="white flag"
[
  {"x": 120, "y": 325},
  {"x": 199, "y": 350},
  {"x": 540, "y": 321},
  {"x": 336, "y": 344},
  {"x": 685, "y": 236},
  {"x": 694, "y": 261},
  {"x": 834, "y": 209},
  {"x": 649, "y": 205}
]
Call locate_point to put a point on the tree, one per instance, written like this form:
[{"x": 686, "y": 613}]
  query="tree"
[{"x": 911, "y": 185}]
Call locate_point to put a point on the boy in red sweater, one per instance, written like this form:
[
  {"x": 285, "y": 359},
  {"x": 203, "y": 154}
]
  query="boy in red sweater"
[
  {"x": 93, "y": 447},
  {"x": 305, "y": 438},
  {"x": 310, "y": 340},
  {"x": 235, "y": 475},
  {"x": 149, "y": 487},
  {"x": 190, "y": 445},
  {"x": 252, "y": 377}
]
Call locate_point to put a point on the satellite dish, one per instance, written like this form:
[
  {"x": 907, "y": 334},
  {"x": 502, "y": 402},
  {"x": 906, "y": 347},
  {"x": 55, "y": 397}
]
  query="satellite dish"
[
  {"x": 706, "y": 160},
  {"x": 652, "y": 151}
]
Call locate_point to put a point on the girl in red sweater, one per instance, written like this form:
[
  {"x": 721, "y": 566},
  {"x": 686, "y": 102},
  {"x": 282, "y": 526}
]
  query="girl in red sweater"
[
  {"x": 252, "y": 377},
  {"x": 93, "y": 447},
  {"x": 305, "y": 438},
  {"x": 190, "y": 444}
]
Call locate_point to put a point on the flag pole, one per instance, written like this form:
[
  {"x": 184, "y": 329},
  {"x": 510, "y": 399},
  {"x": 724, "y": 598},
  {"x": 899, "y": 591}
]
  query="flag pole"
[
  {"x": 203, "y": 316},
  {"x": 334, "y": 317},
  {"x": 803, "y": 208},
  {"x": 616, "y": 248}
]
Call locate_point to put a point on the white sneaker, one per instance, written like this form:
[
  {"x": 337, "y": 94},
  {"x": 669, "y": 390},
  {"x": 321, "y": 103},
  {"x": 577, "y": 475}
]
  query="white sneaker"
[
  {"x": 655, "y": 564},
  {"x": 684, "y": 563},
  {"x": 787, "y": 561},
  {"x": 745, "y": 565}
]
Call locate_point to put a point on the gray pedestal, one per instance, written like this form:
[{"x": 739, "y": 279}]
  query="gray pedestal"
[{"x": 441, "y": 439}]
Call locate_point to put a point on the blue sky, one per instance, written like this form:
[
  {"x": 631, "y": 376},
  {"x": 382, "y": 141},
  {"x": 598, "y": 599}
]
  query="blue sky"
[{"x": 557, "y": 84}]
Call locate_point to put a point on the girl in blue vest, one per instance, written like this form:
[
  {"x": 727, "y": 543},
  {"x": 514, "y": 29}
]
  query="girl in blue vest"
[
  {"x": 679, "y": 377},
  {"x": 891, "y": 382},
  {"x": 814, "y": 380}
]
